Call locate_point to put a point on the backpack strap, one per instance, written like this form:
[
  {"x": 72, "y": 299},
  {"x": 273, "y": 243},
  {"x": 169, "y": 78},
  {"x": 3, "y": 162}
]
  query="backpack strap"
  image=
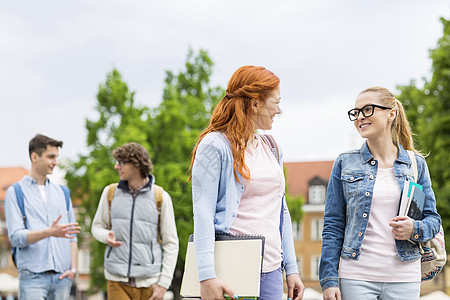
[
  {"x": 412, "y": 156},
  {"x": 110, "y": 195},
  {"x": 159, "y": 199},
  {"x": 273, "y": 145},
  {"x": 67, "y": 196},
  {"x": 20, "y": 201}
]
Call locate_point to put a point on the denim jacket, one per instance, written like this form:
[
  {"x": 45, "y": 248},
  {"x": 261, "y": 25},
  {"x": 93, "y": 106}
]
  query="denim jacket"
[
  {"x": 348, "y": 203},
  {"x": 216, "y": 196}
]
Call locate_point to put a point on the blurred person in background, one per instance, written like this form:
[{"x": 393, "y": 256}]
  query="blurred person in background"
[{"x": 139, "y": 230}]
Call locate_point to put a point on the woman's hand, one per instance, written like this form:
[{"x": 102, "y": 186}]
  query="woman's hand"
[
  {"x": 213, "y": 289},
  {"x": 402, "y": 227},
  {"x": 295, "y": 287},
  {"x": 332, "y": 293}
]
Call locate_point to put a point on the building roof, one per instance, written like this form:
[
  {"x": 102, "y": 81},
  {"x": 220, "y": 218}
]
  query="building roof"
[
  {"x": 8, "y": 176},
  {"x": 298, "y": 174}
]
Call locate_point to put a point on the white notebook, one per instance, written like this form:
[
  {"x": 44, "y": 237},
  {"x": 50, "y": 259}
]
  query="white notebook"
[{"x": 238, "y": 262}]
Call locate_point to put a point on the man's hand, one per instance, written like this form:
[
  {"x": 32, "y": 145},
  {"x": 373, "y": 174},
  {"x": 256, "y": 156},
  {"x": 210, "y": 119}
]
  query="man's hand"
[
  {"x": 332, "y": 293},
  {"x": 63, "y": 230},
  {"x": 158, "y": 292},
  {"x": 69, "y": 274},
  {"x": 295, "y": 287},
  {"x": 111, "y": 240},
  {"x": 402, "y": 227}
]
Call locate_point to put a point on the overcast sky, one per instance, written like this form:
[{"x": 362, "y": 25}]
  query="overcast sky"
[{"x": 54, "y": 54}]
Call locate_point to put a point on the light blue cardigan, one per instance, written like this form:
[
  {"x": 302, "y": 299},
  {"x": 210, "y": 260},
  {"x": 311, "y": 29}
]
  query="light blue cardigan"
[{"x": 216, "y": 195}]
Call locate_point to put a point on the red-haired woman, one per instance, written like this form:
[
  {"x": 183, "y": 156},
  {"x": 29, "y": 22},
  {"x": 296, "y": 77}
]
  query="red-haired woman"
[{"x": 238, "y": 185}]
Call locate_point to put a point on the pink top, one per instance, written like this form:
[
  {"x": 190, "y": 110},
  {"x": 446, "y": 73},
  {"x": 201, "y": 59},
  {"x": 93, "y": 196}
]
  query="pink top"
[
  {"x": 260, "y": 206},
  {"x": 378, "y": 260}
]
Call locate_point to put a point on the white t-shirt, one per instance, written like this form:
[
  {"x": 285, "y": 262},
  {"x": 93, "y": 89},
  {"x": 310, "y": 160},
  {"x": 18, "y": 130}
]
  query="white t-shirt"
[{"x": 43, "y": 194}]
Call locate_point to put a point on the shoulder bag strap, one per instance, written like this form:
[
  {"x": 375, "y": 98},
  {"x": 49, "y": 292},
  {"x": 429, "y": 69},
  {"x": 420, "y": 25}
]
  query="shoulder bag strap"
[
  {"x": 159, "y": 199},
  {"x": 412, "y": 157},
  {"x": 67, "y": 196},
  {"x": 20, "y": 201},
  {"x": 273, "y": 145},
  {"x": 110, "y": 195}
]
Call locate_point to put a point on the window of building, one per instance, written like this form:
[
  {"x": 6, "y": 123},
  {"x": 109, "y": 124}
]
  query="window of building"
[
  {"x": 3, "y": 227},
  {"x": 316, "y": 229},
  {"x": 315, "y": 261},
  {"x": 316, "y": 194},
  {"x": 4, "y": 257},
  {"x": 300, "y": 264},
  {"x": 297, "y": 230},
  {"x": 84, "y": 261}
]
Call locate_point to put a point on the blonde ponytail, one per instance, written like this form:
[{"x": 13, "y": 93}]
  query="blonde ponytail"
[{"x": 401, "y": 130}]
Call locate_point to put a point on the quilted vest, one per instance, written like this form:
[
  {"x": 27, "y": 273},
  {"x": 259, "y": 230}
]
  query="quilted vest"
[{"x": 134, "y": 221}]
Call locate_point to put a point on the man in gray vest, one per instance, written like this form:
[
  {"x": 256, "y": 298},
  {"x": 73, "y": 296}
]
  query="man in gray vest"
[{"x": 130, "y": 220}]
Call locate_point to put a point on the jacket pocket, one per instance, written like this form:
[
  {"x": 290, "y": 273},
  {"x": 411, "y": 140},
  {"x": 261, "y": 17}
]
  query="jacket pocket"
[
  {"x": 152, "y": 256},
  {"x": 108, "y": 253},
  {"x": 351, "y": 183}
]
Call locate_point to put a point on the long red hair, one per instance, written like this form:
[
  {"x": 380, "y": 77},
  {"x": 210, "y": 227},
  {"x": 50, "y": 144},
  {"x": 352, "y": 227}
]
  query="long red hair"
[{"x": 234, "y": 115}]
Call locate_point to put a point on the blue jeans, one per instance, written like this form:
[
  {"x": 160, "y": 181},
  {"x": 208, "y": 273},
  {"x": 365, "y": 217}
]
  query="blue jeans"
[
  {"x": 40, "y": 286},
  {"x": 271, "y": 285},
  {"x": 369, "y": 290}
]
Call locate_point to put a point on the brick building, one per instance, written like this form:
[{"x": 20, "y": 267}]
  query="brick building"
[{"x": 309, "y": 179}]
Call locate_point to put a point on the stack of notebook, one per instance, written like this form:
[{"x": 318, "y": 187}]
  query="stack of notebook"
[{"x": 238, "y": 262}]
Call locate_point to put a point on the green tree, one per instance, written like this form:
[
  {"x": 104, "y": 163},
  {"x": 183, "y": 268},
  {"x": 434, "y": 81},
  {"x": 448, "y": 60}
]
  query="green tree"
[
  {"x": 169, "y": 133},
  {"x": 184, "y": 112},
  {"x": 295, "y": 205},
  {"x": 428, "y": 110},
  {"x": 119, "y": 121}
]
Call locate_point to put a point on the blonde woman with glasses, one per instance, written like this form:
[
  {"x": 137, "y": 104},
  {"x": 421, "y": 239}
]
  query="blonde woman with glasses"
[{"x": 366, "y": 252}]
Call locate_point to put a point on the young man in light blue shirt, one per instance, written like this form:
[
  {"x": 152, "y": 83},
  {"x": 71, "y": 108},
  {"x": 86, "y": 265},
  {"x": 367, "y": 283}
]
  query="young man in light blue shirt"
[{"x": 45, "y": 240}]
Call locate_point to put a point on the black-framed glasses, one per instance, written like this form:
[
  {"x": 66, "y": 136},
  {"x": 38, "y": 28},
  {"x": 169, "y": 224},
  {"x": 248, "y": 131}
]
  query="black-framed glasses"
[
  {"x": 367, "y": 111},
  {"x": 121, "y": 162}
]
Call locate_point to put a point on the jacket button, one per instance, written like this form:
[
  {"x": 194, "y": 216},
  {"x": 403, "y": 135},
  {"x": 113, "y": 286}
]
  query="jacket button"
[
  {"x": 373, "y": 163},
  {"x": 416, "y": 236},
  {"x": 352, "y": 178},
  {"x": 367, "y": 194},
  {"x": 353, "y": 254},
  {"x": 364, "y": 215},
  {"x": 371, "y": 176},
  {"x": 360, "y": 234}
]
